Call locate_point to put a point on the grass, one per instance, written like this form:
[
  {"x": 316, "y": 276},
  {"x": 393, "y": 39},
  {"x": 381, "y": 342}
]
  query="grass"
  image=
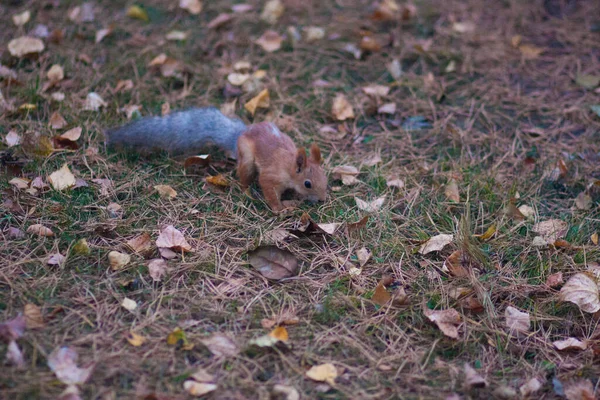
[{"x": 497, "y": 124}]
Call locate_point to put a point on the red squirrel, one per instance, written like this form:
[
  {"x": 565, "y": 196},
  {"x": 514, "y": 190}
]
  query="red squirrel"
[{"x": 262, "y": 150}]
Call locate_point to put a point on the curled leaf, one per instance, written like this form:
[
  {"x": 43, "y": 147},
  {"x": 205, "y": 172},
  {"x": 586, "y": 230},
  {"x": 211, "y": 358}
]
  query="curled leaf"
[
  {"x": 436, "y": 243},
  {"x": 446, "y": 320},
  {"x": 581, "y": 289},
  {"x": 273, "y": 263}
]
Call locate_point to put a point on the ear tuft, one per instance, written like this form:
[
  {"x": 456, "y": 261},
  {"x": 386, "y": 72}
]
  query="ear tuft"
[
  {"x": 300, "y": 159},
  {"x": 315, "y": 153}
]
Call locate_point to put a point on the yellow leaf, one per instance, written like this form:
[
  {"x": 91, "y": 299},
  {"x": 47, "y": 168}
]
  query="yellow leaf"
[
  {"x": 262, "y": 100},
  {"x": 25, "y": 45},
  {"x": 118, "y": 260},
  {"x": 138, "y": 12},
  {"x": 134, "y": 339},
  {"x": 27, "y": 107},
  {"x": 218, "y": 180},
  {"x": 341, "y": 108},
  {"x": 62, "y": 179},
  {"x": 279, "y": 333},
  {"x": 33, "y": 316},
  {"x": 81, "y": 247},
  {"x": 594, "y": 238},
  {"x": 530, "y": 52},
  {"x": 488, "y": 233},
  {"x": 175, "y": 336},
  {"x": 323, "y": 373},
  {"x": 166, "y": 191}
]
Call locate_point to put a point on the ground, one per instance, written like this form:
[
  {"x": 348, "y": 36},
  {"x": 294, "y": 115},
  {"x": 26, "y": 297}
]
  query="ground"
[{"x": 490, "y": 96}]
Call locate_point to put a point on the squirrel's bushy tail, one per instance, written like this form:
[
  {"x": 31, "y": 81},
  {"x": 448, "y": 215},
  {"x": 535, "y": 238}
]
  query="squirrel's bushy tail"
[{"x": 182, "y": 132}]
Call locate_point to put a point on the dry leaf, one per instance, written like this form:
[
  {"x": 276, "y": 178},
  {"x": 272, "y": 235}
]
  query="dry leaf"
[
  {"x": 56, "y": 259},
  {"x": 551, "y": 230},
  {"x": 363, "y": 255},
  {"x": 40, "y": 230},
  {"x": 140, "y": 244},
  {"x": 376, "y": 90},
  {"x": 221, "y": 345},
  {"x": 262, "y": 100},
  {"x": 25, "y": 45},
  {"x": 63, "y": 362},
  {"x": 102, "y": 33},
  {"x": 137, "y": 12},
  {"x": 238, "y": 78},
  {"x": 463, "y": 27},
  {"x": 530, "y": 52},
  {"x": 272, "y": 11},
  {"x": 446, "y": 320},
  {"x": 582, "y": 290},
  {"x": 329, "y": 228},
  {"x": 62, "y": 179},
  {"x": 192, "y": 6},
  {"x": 19, "y": 183},
  {"x": 129, "y": 304},
  {"x": 242, "y": 8},
  {"x": 313, "y": 33},
  {"x": 124, "y": 86},
  {"x": 346, "y": 173},
  {"x": 580, "y": 390},
  {"x": 57, "y": 121},
  {"x": 270, "y": 41},
  {"x": 94, "y": 102},
  {"x": 157, "y": 268},
  {"x": 387, "y": 108},
  {"x": 134, "y": 339},
  {"x": 166, "y": 191},
  {"x": 72, "y": 134},
  {"x": 473, "y": 379},
  {"x": 199, "y": 389},
  {"x": 273, "y": 263},
  {"x": 177, "y": 35},
  {"x": 555, "y": 280},
  {"x": 451, "y": 191},
  {"x": 454, "y": 265},
  {"x": 289, "y": 392},
  {"x": 173, "y": 239},
  {"x": 583, "y": 201},
  {"x": 517, "y": 321},
  {"x": 594, "y": 238},
  {"x": 218, "y": 180},
  {"x": 570, "y": 344},
  {"x": 381, "y": 296},
  {"x": 341, "y": 108},
  {"x": 372, "y": 206},
  {"x": 529, "y": 388},
  {"x": 55, "y": 73},
  {"x": 33, "y": 316},
  {"x": 21, "y": 18},
  {"x": 395, "y": 69},
  {"x": 118, "y": 260},
  {"x": 323, "y": 373},
  {"x": 488, "y": 233},
  {"x": 279, "y": 334},
  {"x": 436, "y": 243},
  {"x": 201, "y": 160},
  {"x": 167, "y": 253},
  {"x": 81, "y": 247},
  {"x": 394, "y": 181},
  {"x": 12, "y": 139}
]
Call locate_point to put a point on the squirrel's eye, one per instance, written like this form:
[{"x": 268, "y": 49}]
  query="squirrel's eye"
[{"x": 307, "y": 184}]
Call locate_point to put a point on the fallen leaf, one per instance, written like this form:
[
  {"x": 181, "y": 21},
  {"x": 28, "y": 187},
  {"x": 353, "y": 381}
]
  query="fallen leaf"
[
  {"x": 199, "y": 389},
  {"x": 19, "y": 183},
  {"x": 118, "y": 260},
  {"x": 463, "y": 27},
  {"x": 106, "y": 186},
  {"x": 21, "y": 18},
  {"x": 381, "y": 296},
  {"x": 242, "y": 8},
  {"x": 270, "y": 41},
  {"x": 364, "y": 255},
  {"x": 262, "y": 100},
  {"x": 55, "y": 73},
  {"x": 376, "y": 90},
  {"x": 135, "y": 339},
  {"x": 446, "y": 320},
  {"x": 177, "y": 35},
  {"x": 72, "y": 134},
  {"x": 370, "y": 207},
  {"x": 221, "y": 345},
  {"x": 140, "y": 244},
  {"x": 94, "y": 102},
  {"x": 329, "y": 228},
  {"x": 12, "y": 139},
  {"x": 279, "y": 334},
  {"x": 395, "y": 69},
  {"x": 137, "y": 12},
  {"x": 454, "y": 265},
  {"x": 587, "y": 81},
  {"x": 451, "y": 191},
  {"x": 488, "y": 233},
  {"x": 33, "y": 316},
  {"x": 580, "y": 390},
  {"x": 517, "y": 321},
  {"x": 555, "y": 280},
  {"x": 436, "y": 243},
  {"x": 40, "y": 230},
  {"x": 570, "y": 344},
  {"x": 81, "y": 247},
  {"x": 273, "y": 263},
  {"x": 323, "y": 373},
  {"x": 14, "y": 355},
  {"x": 57, "y": 121},
  {"x": 530, "y": 52},
  {"x": 218, "y": 180},
  {"x": 56, "y": 259},
  {"x": 63, "y": 362},
  {"x": 166, "y": 191},
  {"x": 370, "y": 43},
  {"x": 272, "y": 11},
  {"x": 583, "y": 201},
  {"x": 530, "y": 387},
  {"x": 167, "y": 253},
  {"x": 551, "y": 230},
  {"x": 341, "y": 108},
  {"x": 594, "y": 238},
  {"x": 387, "y": 108},
  {"x": 25, "y": 45},
  {"x": 472, "y": 378},
  {"x": 192, "y": 6},
  {"x": 582, "y": 290},
  {"x": 102, "y": 33},
  {"x": 313, "y": 33},
  {"x": 394, "y": 181},
  {"x": 129, "y": 304},
  {"x": 177, "y": 336},
  {"x": 346, "y": 173},
  {"x": 157, "y": 268},
  {"x": 289, "y": 392},
  {"x": 173, "y": 239}
]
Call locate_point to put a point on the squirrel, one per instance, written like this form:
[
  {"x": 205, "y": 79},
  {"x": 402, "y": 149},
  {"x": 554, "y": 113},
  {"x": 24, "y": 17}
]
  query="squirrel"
[{"x": 262, "y": 150}]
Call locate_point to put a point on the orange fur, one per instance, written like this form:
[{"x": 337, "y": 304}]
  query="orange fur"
[{"x": 265, "y": 151}]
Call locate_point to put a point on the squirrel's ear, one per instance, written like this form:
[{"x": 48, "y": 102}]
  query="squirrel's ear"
[
  {"x": 300, "y": 159},
  {"x": 315, "y": 153}
]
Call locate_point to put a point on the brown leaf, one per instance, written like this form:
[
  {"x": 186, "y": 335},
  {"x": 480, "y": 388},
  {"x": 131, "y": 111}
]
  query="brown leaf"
[
  {"x": 57, "y": 121},
  {"x": 201, "y": 160},
  {"x": 165, "y": 191},
  {"x": 218, "y": 180},
  {"x": 381, "y": 296},
  {"x": 173, "y": 239},
  {"x": 436, "y": 243},
  {"x": 354, "y": 226},
  {"x": 454, "y": 265},
  {"x": 157, "y": 268},
  {"x": 446, "y": 320},
  {"x": 570, "y": 344},
  {"x": 220, "y": 20},
  {"x": 530, "y": 52},
  {"x": 124, "y": 85},
  {"x": 451, "y": 191},
  {"x": 473, "y": 379},
  {"x": 118, "y": 260},
  {"x": 517, "y": 321},
  {"x": 33, "y": 316},
  {"x": 581, "y": 289},
  {"x": 555, "y": 280},
  {"x": 40, "y": 230},
  {"x": 72, "y": 134},
  {"x": 551, "y": 230},
  {"x": 221, "y": 345},
  {"x": 273, "y": 263},
  {"x": 583, "y": 201},
  {"x": 341, "y": 108},
  {"x": 140, "y": 244},
  {"x": 270, "y": 41}
]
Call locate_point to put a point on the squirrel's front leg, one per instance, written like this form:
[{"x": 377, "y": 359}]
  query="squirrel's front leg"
[{"x": 272, "y": 192}]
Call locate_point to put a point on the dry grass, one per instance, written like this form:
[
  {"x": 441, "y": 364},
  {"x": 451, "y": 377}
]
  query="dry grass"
[{"x": 482, "y": 117}]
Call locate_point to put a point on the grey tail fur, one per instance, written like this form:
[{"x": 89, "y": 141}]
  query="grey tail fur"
[{"x": 181, "y": 132}]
